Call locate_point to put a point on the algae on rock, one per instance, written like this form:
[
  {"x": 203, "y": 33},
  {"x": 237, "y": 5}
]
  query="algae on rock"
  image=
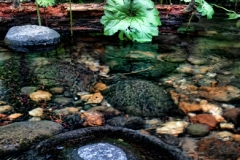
[{"x": 139, "y": 97}]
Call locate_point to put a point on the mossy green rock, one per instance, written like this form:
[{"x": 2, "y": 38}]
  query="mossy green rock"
[
  {"x": 19, "y": 136},
  {"x": 199, "y": 130},
  {"x": 139, "y": 98},
  {"x": 62, "y": 73}
]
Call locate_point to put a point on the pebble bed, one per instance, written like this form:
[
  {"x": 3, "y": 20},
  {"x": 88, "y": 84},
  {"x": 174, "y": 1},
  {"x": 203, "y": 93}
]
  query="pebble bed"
[{"x": 204, "y": 90}]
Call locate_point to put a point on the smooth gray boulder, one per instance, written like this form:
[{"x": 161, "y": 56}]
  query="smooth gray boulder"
[{"x": 31, "y": 38}]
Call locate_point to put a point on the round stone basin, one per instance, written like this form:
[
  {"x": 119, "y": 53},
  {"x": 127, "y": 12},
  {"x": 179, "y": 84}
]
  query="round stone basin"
[{"x": 133, "y": 144}]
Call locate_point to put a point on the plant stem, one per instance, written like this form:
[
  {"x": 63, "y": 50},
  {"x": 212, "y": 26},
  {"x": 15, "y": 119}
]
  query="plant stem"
[
  {"x": 190, "y": 7},
  {"x": 236, "y": 2},
  {"x": 224, "y": 8},
  {"x": 71, "y": 18},
  {"x": 38, "y": 14},
  {"x": 189, "y": 21},
  {"x": 45, "y": 17}
]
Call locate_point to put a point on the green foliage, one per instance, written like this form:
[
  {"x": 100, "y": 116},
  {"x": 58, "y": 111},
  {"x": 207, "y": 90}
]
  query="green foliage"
[
  {"x": 234, "y": 1},
  {"x": 203, "y": 7},
  {"x": 45, "y": 3},
  {"x": 238, "y": 24},
  {"x": 233, "y": 15},
  {"x": 136, "y": 20}
]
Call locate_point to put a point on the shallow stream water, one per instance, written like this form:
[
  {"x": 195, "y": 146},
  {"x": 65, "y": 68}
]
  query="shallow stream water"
[{"x": 208, "y": 56}]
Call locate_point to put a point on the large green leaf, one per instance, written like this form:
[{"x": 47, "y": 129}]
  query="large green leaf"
[
  {"x": 136, "y": 20},
  {"x": 206, "y": 9}
]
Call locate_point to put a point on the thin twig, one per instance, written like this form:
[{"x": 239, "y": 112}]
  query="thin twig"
[
  {"x": 133, "y": 72},
  {"x": 189, "y": 21}
]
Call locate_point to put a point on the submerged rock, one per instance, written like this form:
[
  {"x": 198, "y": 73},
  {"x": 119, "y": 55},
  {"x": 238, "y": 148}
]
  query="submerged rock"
[
  {"x": 5, "y": 108},
  {"x": 198, "y": 130},
  {"x": 28, "y": 90},
  {"x": 214, "y": 148},
  {"x": 17, "y": 137},
  {"x": 40, "y": 95},
  {"x": 62, "y": 73},
  {"x": 36, "y": 112},
  {"x": 92, "y": 118},
  {"x": 128, "y": 122},
  {"x": 27, "y": 38},
  {"x": 233, "y": 115},
  {"x": 222, "y": 94},
  {"x": 207, "y": 119},
  {"x": 62, "y": 100},
  {"x": 139, "y": 98},
  {"x": 172, "y": 127}
]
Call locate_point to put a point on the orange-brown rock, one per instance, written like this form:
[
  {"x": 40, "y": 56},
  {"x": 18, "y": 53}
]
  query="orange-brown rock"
[
  {"x": 232, "y": 115},
  {"x": 98, "y": 87},
  {"x": 235, "y": 137},
  {"x": 191, "y": 87},
  {"x": 3, "y": 116},
  {"x": 92, "y": 118},
  {"x": 190, "y": 107},
  {"x": 14, "y": 116},
  {"x": 176, "y": 97},
  {"x": 207, "y": 119},
  {"x": 92, "y": 98},
  {"x": 40, "y": 95},
  {"x": 223, "y": 94}
]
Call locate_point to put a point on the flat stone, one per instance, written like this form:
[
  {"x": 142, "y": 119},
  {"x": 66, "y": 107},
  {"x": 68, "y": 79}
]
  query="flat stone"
[
  {"x": 5, "y": 108},
  {"x": 62, "y": 100},
  {"x": 198, "y": 129},
  {"x": 26, "y": 38},
  {"x": 101, "y": 151},
  {"x": 28, "y": 90}
]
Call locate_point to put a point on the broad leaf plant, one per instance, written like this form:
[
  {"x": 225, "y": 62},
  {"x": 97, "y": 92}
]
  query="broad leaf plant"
[
  {"x": 207, "y": 10},
  {"x": 203, "y": 7},
  {"x": 135, "y": 20}
]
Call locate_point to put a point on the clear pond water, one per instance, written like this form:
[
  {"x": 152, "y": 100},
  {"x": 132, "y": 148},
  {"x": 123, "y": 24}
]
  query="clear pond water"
[{"x": 207, "y": 57}]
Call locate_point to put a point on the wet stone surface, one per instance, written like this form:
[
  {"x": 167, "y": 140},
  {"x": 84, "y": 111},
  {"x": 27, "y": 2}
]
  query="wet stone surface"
[{"x": 22, "y": 38}]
